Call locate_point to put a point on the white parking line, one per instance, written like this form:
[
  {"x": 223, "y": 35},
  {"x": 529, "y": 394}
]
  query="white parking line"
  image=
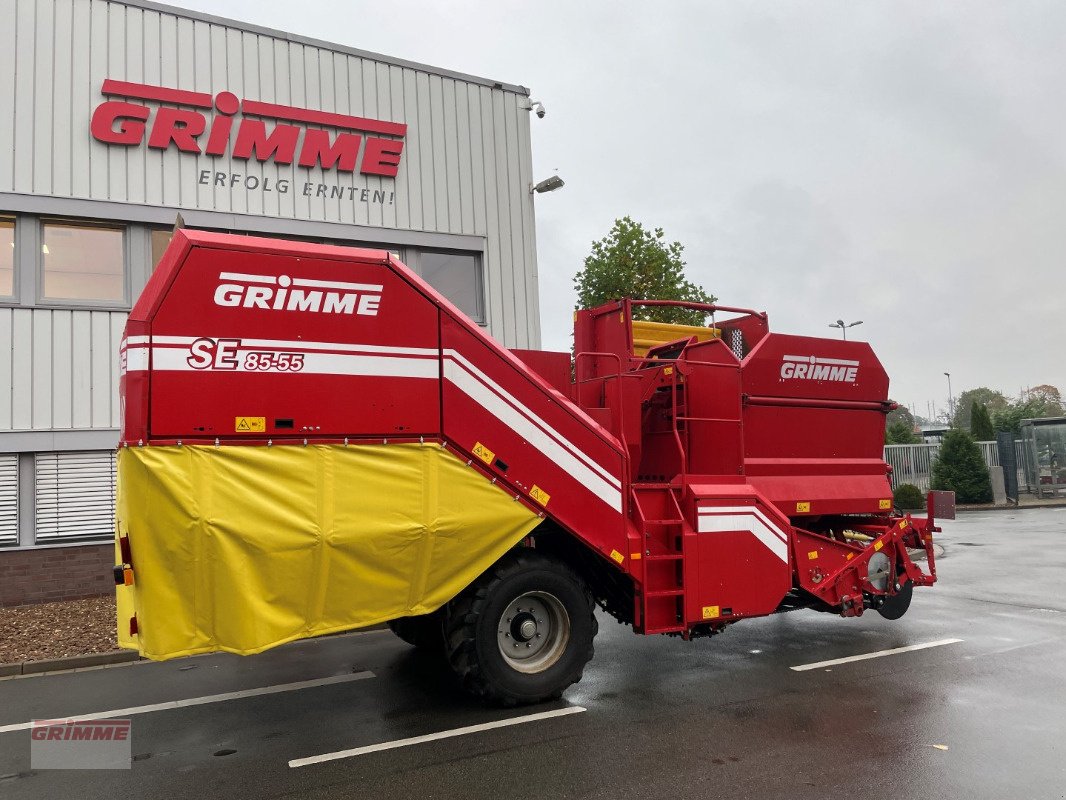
[
  {"x": 909, "y": 648},
  {"x": 432, "y": 737},
  {"x": 199, "y": 701}
]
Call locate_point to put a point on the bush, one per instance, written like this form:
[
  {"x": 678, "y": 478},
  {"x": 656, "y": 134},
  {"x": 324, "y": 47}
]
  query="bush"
[
  {"x": 899, "y": 432},
  {"x": 908, "y": 496},
  {"x": 960, "y": 468}
]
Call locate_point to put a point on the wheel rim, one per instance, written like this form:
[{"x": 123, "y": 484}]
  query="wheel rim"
[{"x": 533, "y": 632}]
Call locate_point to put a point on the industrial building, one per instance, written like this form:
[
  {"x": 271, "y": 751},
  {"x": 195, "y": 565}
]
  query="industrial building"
[{"x": 116, "y": 117}]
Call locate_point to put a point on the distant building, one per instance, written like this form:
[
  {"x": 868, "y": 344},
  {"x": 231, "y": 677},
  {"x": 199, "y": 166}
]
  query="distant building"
[{"x": 934, "y": 434}]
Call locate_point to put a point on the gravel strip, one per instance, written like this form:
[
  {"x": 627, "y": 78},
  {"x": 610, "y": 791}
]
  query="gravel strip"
[{"x": 56, "y": 630}]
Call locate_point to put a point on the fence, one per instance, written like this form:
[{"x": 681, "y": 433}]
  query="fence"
[{"x": 913, "y": 463}]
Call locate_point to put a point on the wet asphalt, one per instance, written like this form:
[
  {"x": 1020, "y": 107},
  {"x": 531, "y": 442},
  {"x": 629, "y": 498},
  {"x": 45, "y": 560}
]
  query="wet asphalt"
[{"x": 720, "y": 717}]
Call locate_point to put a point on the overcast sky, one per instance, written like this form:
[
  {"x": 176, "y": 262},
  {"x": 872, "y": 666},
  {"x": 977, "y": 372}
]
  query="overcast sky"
[{"x": 901, "y": 163}]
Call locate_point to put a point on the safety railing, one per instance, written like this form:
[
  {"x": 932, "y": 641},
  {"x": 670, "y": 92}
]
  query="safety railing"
[{"x": 913, "y": 463}]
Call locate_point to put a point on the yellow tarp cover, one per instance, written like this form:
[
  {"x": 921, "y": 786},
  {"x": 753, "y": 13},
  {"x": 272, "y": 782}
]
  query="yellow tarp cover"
[{"x": 244, "y": 548}]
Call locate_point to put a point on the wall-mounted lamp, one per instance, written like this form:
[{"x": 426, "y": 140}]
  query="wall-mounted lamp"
[{"x": 547, "y": 185}]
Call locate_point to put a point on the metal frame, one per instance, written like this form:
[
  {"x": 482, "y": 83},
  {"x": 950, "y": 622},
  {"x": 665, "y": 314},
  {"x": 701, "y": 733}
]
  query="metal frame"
[
  {"x": 31, "y": 212},
  {"x": 13, "y": 297},
  {"x": 413, "y": 259},
  {"x": 41, "y": 301},
  {"x": 58, "y": 440}
]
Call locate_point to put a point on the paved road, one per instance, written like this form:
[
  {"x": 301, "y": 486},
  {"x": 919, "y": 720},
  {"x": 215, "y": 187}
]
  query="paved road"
[{"x": 665, "y": 719}]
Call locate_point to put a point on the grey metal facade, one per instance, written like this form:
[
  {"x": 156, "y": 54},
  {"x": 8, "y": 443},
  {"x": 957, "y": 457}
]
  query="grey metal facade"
[{"x": 463, "y": 182}]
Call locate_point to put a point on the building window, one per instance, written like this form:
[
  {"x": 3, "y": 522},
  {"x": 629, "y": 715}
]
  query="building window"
[
  {"x": 74, "y": 496},
  {"x": 9, "y": 499},
  {"x": 160, "y": 241},
  {"x": 457, "y": 276},
  {"x": 7, "y": 257},
  {"x": 83, "y": 262}
]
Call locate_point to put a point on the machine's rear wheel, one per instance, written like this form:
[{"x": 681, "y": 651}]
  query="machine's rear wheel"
[
  {"x": 896, "y": 605},
  {"x": 425, "y": 632},
  {"x": 523, "y": 631}
]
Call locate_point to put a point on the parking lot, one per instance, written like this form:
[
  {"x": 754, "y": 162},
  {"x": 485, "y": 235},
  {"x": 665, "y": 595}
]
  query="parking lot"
[{"x": 981, "y": 717}]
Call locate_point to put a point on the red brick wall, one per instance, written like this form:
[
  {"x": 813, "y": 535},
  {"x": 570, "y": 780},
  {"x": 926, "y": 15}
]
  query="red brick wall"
[{"x": 55, "y": 573}]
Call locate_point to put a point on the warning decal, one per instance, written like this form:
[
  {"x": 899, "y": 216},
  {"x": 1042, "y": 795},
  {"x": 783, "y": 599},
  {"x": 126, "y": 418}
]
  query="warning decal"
[
  {"x": 483, "y": 453},
  {"x": 250, "y": 425}
]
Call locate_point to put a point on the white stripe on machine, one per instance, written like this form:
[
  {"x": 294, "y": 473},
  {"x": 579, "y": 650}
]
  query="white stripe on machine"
[
  {"x": 544, "y": 426},
  {"x": 507, "y": 412},
  {"x": 170, "y": 353},
  {"x": 720, "y": 519},
  {"x": 172, "y": 359}
]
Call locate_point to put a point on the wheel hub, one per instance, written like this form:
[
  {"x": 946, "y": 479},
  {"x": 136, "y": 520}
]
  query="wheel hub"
[
  {"x": 533, "y": 632},
  {"x": 878, "y": 570},
  {"x": 526, "y": 629}
]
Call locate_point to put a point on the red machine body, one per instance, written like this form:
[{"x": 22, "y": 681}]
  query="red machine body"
[{"x": 722, "y": 474}]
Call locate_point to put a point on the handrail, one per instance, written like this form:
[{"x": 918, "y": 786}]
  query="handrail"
[
  {"x": 884, "y": 406},
  {"x": 673, "y": 422},
  {"x": 710, "y": 308},
  {"x": 626, "y": 472}
]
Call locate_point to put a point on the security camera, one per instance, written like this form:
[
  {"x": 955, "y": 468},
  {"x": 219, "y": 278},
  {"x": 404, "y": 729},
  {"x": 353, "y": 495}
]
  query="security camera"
[
  {"x": 547, "y": 185},
  {"x": 536, "y": 105}
]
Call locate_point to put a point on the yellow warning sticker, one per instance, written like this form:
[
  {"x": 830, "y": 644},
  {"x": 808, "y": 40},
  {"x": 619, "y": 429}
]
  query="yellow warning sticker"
[
  {"x": 539, "y": 495},
  {"x": 885, "y": 504},
  {"x": 851, "y": 556},
  {"x": 711, "y": 612},
  {"x": 483, "y": 453},
  {"x": 250, "y": 424},
  {"x": 803, "y": 508},
  {"x": 902, "y": 524},
  {"x": 668, "y": 370},
  {"x": 617, "y": 556},
  {"x": 878, "y": 545},
  {"x": 812, "y": 555}
]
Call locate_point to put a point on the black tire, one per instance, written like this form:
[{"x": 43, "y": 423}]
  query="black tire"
[
  {"x": 477, "y": 629},
  {"x": 896, "y": 605},
  {"x": 426, "y": 632}
]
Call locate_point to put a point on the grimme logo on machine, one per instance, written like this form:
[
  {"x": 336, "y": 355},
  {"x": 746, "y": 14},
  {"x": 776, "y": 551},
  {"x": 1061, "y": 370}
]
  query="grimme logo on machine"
[
  {"x": 283, "y": 293},
  {"x": 194, "y": 131},
  {"x": 816, "y": 368}
]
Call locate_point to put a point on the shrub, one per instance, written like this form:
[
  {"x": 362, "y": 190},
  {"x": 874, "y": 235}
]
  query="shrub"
[
  {"x": 960, "y": 468},
  {"x": 908, "y": 496},
  {"x": 899, "y": 432}
]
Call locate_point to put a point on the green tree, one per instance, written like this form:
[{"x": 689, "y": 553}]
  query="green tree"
[
  {"x": 961, "y": 468},
  {"x": 904, "y": 415},
  {"x": 1048, "y": 399},
  {"x": 991, "y": 399},
  {"x": 1040, "y": 401},
  {"x": 899, "y": 432},
  {"x": 634, "y": 262},
  {"x": 981, "y": 423}
]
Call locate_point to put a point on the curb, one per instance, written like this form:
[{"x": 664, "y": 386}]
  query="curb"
[
  {"x": 69, "y": 662},
  {"x": 1025, "y": 507},
  {"x": 125, "y": 657}
]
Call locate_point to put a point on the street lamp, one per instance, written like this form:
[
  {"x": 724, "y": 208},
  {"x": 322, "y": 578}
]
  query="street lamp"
[
  {"x": 951, "y": 397},
  {"x": 844, "y": 328}
]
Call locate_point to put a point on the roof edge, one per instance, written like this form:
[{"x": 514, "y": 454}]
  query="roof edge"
[{"x": 262, "y": 30}]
